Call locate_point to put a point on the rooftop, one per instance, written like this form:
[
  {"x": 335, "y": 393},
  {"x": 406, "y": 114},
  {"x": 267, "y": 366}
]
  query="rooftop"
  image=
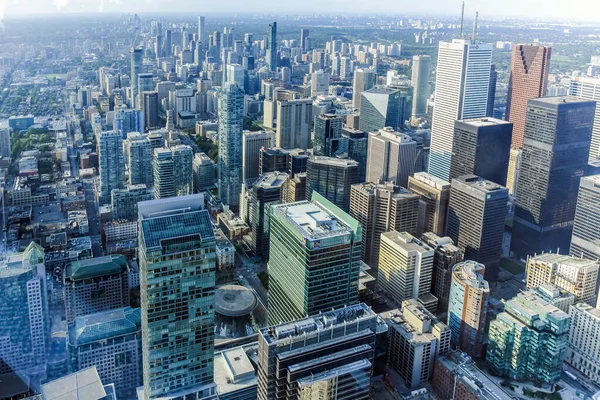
[
  {"x": 479, "y": 184},
  {"x": 104, "y": 325},
  {"x": 431, "y": 180},
  {"x": 234, "y": 300},
  {"x": 338, "y": 162},
  {"x": 270, "y": 180},
  {"x": 487, "y": 121},
  {"x": 471, "y": 273},
  {"x": 406, "y": 241},
  {"x": 95, "y": 267},
  {"x": 312, "y": 219},
  {"x": 82, "y": 385}
]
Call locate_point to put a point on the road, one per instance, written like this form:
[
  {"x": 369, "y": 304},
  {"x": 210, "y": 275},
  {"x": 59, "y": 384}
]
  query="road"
[{"x": 249, "y": 272}]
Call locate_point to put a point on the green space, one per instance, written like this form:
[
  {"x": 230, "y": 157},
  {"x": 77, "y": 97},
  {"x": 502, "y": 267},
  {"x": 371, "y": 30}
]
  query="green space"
[
  {"x": 27, "y": 140},
  {"x": 208, "y": 147},
  {"x": 512, "y": 266}
]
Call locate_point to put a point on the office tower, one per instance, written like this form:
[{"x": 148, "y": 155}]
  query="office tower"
[
  {"x": 275, "y": 159},
  {"x": 462, "y": 86},
  {"x": 202, "y": 31},
  {"x": 111, "y": 164},
  {"x": 272, "y": 56},
  {"x": 434, "y": 195},
  {"x": 128, "y": 120},
  {"x": 268, "y": 190},
  {"x": 476, "y": 214},
  {"x": 327, "y": 134},
  {"x": 481, "y": 147},
  {"x": 168, "y": 50},
  {"x": 137, "y": 55},
  {"x": 139, "y": 159},
  {"x": 528, "y": 80},
  {"x": 415, "y": 339},
  {"x": 585, "y": 241},
  {"x": 112, "y": 342},
  {"x": 272, "y": 97},
  {"x": 231, "y": 113},
  {"x": 528, "y": 341},
  {"x": 467, "y": 311},
  {"x": 296, "y": 188},
  {"x": 319, "y": 83},
  {"x": 252, "y": 143},
  {"x": 555, "y": 296},
  {"x": 94, "y": 285},
  {"x": 575, "y": 275},
  {"x": 314, "y": 259},
  {"x": 297, "y": 161},
  {"x": 124, "y": 201},
  {"x": 235, "y": 74},
  {"x": 204, "y": 172},
  {"x": 150, "y": 109},
  {"x": 294, "y": 122},
  {"x": 446, "y": 256},
  {"x": 492, "y": 91},
  {"x": 183, "y": 158},
  {"x": 555, "y": 155},
  {"x": 303, "y": 36},
  {"x": 421, "y": 70},
  {"x": 514, "y": 166},
  {"x": 5, "y": 150},
  {"x": 328, "y": 355},
  {"x": 583, "y": 353},
  {"x": 177, "y": 272},
  {"x": 354, "y": 144},
  {"x": 164, "y": 172},
  {"x": 145, "y": 82},
  {"x": 391, "y": 157},
  {"x": 382, "y": 208},
  {"x": 589, "y": 89},
  {"x": 332, "y": 178},
  {"x": 25, "y": 328},
  {"x": 381, "y": 107}
]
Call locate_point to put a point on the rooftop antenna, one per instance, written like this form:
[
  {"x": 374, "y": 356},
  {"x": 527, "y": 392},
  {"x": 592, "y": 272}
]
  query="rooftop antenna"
[
  {"x": 462, "y": 19},
  {"x": 474, "y": 38}
]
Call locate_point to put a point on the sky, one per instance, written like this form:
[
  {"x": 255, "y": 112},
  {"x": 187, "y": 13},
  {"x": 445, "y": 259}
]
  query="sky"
[{"x": 531, "y": 9}]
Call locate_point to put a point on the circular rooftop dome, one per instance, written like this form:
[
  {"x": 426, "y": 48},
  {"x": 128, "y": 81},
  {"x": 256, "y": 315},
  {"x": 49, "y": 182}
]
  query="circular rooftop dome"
[{"x": 234, "y": 300}]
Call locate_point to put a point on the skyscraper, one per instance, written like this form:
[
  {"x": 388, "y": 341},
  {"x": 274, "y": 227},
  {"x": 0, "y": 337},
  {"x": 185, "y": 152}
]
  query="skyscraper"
[
  {"x": 137, "y": 55},
  {"x": 183, "y": 158},
  {"x": 300, "y": 282},
  {"x": 421, "y": 70},
  {"x": 434, "y": 195},
  {"x": 481, "y": 147},
  {"x": 150, "y": 108},
  {"x": 124, "y": 201},
  {"x": 467, "y": 312},
  {"x": 202, "y": 31},
  {"x": 462, "y": 86},
  {"x": 252, "y": 142},
  {"x": 327, "y": 134},
  {"x": 177, "y": 272},
  {"x": 5, "y": 142},
  {"x": 319, "y": 83},
  {"x": 235, "y": 74},
  {"x": 589, "y": 89},
  {"x": 514, "y": 166},
  {"x": 129, "y": 120},
  {"x": 354, "y": 144},
  {"x": 492, "y": 92},
  {"x": 272, "y": 56},
  {"x": 294, "y": 122},
  {"x": 303, "y": 36},
  {"x": 111, "y": 164},
  {"x": 231, "y": 111},
  {"x": 139, "y": 159},
  {"x": 380, "y": 107},
  {"x": 163, "y": 172},
  {"x": 391, "y": 157},
  {"x": 204, "y": 172},
  {"x": 528, "y": 80},
  {"x": 583, "y": 353},
  {"x": 364, "y": 79},
  {"x": 585, "y": 241},
  {"x": 331, "y": 178},
  {"x": 555, "y": 154}
]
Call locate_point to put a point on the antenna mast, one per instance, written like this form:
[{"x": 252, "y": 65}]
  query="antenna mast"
[
  {"x": 475, "y": 28},
  {"x": 462, "y": 19}
]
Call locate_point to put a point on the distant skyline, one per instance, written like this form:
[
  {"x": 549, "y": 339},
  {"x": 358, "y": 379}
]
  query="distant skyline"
[{"x": 585, "y": 10}]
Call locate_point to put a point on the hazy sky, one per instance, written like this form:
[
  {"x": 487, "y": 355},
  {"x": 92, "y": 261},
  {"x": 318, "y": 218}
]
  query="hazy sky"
[{"x": 555, "y": 9}]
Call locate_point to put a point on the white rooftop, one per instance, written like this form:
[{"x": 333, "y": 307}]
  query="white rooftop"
[{"x": 82, "y": 385}]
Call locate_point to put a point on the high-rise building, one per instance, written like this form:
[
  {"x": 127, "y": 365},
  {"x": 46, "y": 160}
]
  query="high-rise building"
[
  {"x": 467, "y": 311},
  {"x": 364, "y": 79},
  {"x": 405, "y": 268},
  {"x": 575, "y": 275},
  {"x": 354, "y": 145},
  {"x": 319, "y": 83},
  {"x": 446, "y": 256},
  {"x": 145, "y": 82},
  {"x": 303, "y": 36},
  {"x": 481, "y": 147},
  {"x": 252, "y": 142},
  {"x": 415, "y": 339},
  {"x": 235, "y": 74},
  {"x": 128, "y": 120},
  {"x": 381, "y": 107},
  {"x": 382, "y": 208},
  {"x": 272, "y": 55},
  {"x": 555, "y": 156},
  {"x": 589, "y": 89},
  {"x": 202, "y": 31},
  {"x": 177, "y": 272},
  {"x": 585, "y": 241},
  {"x": 111, "y": 164},
  {"x": 391, "y": 157},
  {"x": 462, "y": 86},
  {"x": 294, "y": 122},
  {"x": 150, "y": 108},
  {"x": 514, "y": 166},
  {"x": 124, "y": 201},
  {"x": 183, "y": 158},
  {"x": 328, "y": 355},
  {"x": 327, "y": 134},
  {"x": 5, "y": 150},
  {"x": 332, "y": 178},
  {"x": 528, "y": 341},
  {"x": 492, "y": 92},
  {"x": 421, "y": 71},
  {"x": 137, "y": 55},
  {"x": 231, "y": 115},
  {"x": 164, "y": 172},
  {"x": 296, "y": 188},
  {"x": 528, "y": 80},
  {"x": 25, "y": 328},
  {"x": 583, "y": 353},
  {"x": 112, "y": 342},
  {"x": 434, "y": 195},
  {"x": 476, "y": 215},
  {"x": 204, "y": 172},
  {"x": 139, "y": 159},
  {"x": 300, "y": 282}
]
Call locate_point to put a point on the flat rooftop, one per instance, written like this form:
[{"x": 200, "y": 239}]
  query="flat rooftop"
[
  {"x": 470, "y": 272},
  {"x": 82, "y": 385},
  {"x": 479, "y": 183},
  {"x": 271, "y": 180},
  {"x": 431, "y": 180},
  {"x": 406, "y": 241},
  {"x": 486, "y": 121},
  {"x": 313, "y": 220},
  {"x": 338, "y": 162}
]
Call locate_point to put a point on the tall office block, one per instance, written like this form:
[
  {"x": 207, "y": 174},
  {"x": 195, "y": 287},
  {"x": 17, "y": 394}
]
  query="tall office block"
[
  {"x": 467, "y": 311},
  {"x": 555, "y": 153},
  {"x": 25, "y": 328},
  {"x": 391, "y": 157},
  {"x": 585, "y": 241},
  {"x": 145, "y": 82},
  {"x": 476, "y": 214},
  {"x": 296, "y": 188},
  {"x": 589, "y": 89},
  {"x": 462, "y": 86},
  {"x": 528, "y": 341},
  {"x": 252, "y": 142},
  {"x": 481, "y": 147},
  {"x": 354, "y": 144},
  {"x": 129, "y": 120},
  {"x": 150, "y": 107},
  {"x": 111, "y": 164},
  {"x": 112, "y": 342},
  {"x": 583, "y": 353},
  {"x": 446, "y": 256},
  {"x": 231, "y": 121},
  {"x": 381, "y": 106},
  {"x": 327, "y": 356},
  {"x": 234, "y": 73},
  {"x": 514, "y": 166},
  {"x": 183, "y": 158},
  {"x": 405, "y": 268},
  {"x": 137, "y": 55},
  {"x": 303, "y": 39},
  {"x": 294, "y": 122},
  {"x": 300, "y": 282},
  {"x": 528, "y": 80},
  {"x": 332, "y": 178},
  {"x": 575, "y": 275},
  {"x": 202, "y": 31},
  {"x": 139, "y": 159},
  {"x": 164, "y": 172},
  {"x": 204, "y": 172},
  {"x": 272, "y": 56},
  {"x": 421, "y": 70},
  {"x": 168, "y": 46},
  {"x": 124, "y": 201},
  {"x": 319, "y": 83},
  {"x": 177, "y": 272},
  {"x": 5, "y": 150},
  {"x": 327, "y": 134},
  {"x": 415, "y": 339},
  {"x": 434, "y": 195},
  {"x": 364, "y": 79},
  {"x": 492, "y": 92},
  {"x": 382, "y": 208}
]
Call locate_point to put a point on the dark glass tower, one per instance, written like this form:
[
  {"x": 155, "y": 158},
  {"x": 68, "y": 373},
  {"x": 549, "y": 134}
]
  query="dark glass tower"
[
  {"x": 328, "y": 133},
  {"x": 332, "y": 178},
  {"x": 273, "y": 46}
]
